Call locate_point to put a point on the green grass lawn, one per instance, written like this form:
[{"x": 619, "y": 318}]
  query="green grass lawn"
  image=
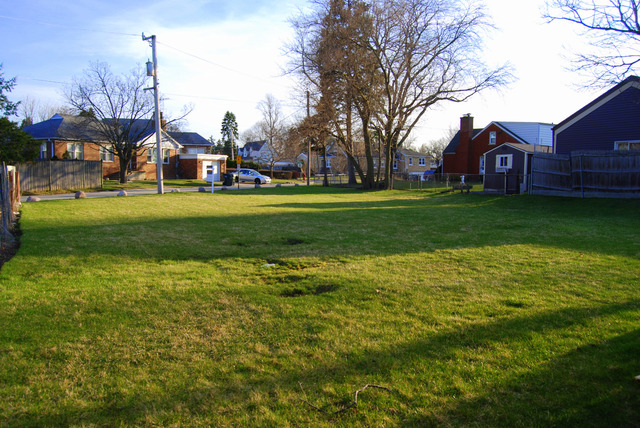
[
  {"x": 192, "y": 309},
  {"x": 168, "y": 183}
]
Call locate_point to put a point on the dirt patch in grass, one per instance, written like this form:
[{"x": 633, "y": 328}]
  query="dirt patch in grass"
[{"x": 307, "y": 290}]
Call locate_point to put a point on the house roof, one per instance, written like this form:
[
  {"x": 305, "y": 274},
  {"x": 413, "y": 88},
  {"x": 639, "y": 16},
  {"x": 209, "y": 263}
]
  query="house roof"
[
  {"x": 65, "y": 127},
  {"x": 629, "y": 82},
  {"x": 455, "y": 141},
  {"x": 527, "y": 132},
  {"x": 529, "y": 148},
  {"x": 81, "y": 128},
  {"x": 190, "y": 139},
  {"x": 409, "y": 152},
  {"x": 255, "y": 145},
  {"x": 535, "y": 133}
]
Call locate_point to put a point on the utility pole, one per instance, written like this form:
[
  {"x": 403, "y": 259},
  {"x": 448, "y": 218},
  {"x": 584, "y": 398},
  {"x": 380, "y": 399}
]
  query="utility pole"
[
  {"x": 152, "y": 70},
  {"x": 308, "y": 147}
]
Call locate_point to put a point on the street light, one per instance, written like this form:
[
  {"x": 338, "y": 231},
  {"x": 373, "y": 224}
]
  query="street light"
[{"x": 152, "y": 70}]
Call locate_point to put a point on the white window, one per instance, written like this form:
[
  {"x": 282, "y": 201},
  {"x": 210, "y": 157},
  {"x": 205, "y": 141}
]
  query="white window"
[
  {"x": 106, "y": 154},
  {"x": 152, "y": 156},
  {"x": 395, "y": 164},
  {"x": 504, "y": 162},
  {"x": 627, "y": 145},
  {"x": 196, "y": 150},
  {"x": 481, "y": 164},
  {"x": 422, "y": 162},
  {"x": 492, "y": 138},
  {"x": 43, "y": 151},
  {"x": 75, "y": 151},
  {"x": 410, "y": 161},
  {"x": 328, "y": 162}
]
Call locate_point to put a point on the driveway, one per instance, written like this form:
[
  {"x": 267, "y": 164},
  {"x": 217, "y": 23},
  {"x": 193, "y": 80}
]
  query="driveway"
[{"x": 153, "y": 191}]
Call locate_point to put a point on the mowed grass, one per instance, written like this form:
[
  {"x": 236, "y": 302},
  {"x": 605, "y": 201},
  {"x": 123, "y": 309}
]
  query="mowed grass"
[{"x": 231, "y": 309}]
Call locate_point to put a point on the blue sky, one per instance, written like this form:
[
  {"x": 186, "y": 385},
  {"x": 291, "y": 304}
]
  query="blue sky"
[{"x": 225, "y": 55}]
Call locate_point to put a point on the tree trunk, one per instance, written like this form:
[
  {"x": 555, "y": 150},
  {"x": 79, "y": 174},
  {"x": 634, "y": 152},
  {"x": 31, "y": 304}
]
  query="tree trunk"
[
  {"x": 325, "y": 181},
  {"x": 389, "y": 158},
  {"x": 123, "y": 169},
  {"x": 349, "y": 143}
]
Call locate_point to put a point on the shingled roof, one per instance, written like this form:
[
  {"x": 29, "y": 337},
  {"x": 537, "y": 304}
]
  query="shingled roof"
[
  {"x": 190, "y": 139},
  {"x": 65, "y": 127},
  {"x": 455, "y": 141}
]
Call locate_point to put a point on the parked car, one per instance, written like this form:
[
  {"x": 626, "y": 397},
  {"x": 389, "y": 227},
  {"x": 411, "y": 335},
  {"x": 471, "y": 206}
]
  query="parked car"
[{"x": 252, "y": 175}]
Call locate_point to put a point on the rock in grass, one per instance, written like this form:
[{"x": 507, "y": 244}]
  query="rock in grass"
[
  {"x": 122, "y": 193},
  {"x": 202, "y": 190},
  {"x": 175, "y": 191},
  {"x": 33, "y": 199},
  {"x": 81, "y": 195}
]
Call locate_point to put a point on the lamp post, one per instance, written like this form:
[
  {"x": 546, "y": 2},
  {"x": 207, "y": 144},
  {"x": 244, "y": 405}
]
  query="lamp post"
[{"x": 152, "y": 70}]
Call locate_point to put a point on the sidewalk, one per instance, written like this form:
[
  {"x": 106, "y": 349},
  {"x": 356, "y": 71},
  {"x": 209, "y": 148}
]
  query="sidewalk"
[{"x": 152, "y": 191}]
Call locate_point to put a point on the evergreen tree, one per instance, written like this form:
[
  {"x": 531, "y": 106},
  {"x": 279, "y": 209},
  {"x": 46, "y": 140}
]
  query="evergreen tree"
[
  {"x": 229, "y": 133},
  {"x": 7, "y": 108},
  {"x": 16, "y": 146}
]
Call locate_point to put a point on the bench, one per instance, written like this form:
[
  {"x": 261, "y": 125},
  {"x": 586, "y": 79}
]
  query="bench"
[{"x": 462, "y": 187}]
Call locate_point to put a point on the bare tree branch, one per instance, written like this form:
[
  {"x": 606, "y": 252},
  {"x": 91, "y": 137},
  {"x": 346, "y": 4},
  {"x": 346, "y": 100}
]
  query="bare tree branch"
[
  {"x": 354, "y": 403},
  {"x": 613, "y": 30}
]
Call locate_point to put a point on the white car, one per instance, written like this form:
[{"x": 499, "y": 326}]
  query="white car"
[{"x": 252, "y": 175}]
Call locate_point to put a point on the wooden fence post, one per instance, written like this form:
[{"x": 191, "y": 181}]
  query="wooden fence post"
[{"x": 7, "y": 209}]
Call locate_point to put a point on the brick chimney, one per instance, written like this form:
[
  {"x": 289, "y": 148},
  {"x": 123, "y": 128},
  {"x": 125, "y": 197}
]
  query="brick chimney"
[
  {"x": 465, "y": 149},
  {"x": 163, "y": 123}
]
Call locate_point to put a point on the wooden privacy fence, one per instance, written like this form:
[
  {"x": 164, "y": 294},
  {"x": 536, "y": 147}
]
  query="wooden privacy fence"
[
  {"x": 587, "y": 174},
  {"x": 45, "y": 176}
]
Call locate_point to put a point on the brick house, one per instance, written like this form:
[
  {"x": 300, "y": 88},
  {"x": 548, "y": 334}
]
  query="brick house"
[
  {"x": 74, "y": 137},
  {"x": 465, "y": 153}
]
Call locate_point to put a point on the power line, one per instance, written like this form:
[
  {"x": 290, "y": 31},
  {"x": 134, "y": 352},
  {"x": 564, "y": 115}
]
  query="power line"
[
  {"x": 203, "y": 97},
  {"x": 220, "y": 65},
  {"x": 69, "y": 27}
]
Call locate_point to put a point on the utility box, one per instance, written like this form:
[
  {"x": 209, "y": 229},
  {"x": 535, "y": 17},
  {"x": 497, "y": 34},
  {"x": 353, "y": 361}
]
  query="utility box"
[{"x": 228, "y": 179}]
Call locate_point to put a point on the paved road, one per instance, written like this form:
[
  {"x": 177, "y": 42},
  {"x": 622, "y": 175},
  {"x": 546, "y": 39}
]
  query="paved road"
[{"x": 133, "y": 192}]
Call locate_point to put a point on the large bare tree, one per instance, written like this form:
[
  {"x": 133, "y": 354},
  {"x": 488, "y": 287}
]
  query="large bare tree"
[
  {"x": 272, "y": 127},
  {"x": 613, "y": 30},
  {"x": 435, "y": 148},
  {"x": 390, "y": 61},
  {"x": 117, "y": 109}
]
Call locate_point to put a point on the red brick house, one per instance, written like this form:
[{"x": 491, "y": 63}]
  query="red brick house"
[
  {"x": 70, "y": 137},
  {"x": 465, "y": 153}
]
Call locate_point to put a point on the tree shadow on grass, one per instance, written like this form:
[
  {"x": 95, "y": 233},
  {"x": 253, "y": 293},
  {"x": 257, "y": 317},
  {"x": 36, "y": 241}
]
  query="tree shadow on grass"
[
  {"x": 591, "y": 385},
  {"x": 381, "y": 227}
]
